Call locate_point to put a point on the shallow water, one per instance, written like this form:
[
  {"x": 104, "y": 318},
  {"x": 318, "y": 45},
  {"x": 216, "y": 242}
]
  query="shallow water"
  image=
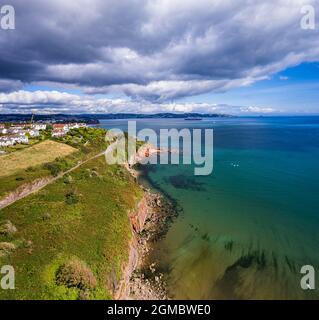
[{"x": 247, "y": 229}]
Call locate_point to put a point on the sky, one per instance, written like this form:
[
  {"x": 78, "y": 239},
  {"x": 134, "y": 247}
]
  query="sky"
[{"x": 243, "y": 57}]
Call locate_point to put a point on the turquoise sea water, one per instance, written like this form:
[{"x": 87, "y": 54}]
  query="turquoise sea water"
[{"x": 246, "y": 229}]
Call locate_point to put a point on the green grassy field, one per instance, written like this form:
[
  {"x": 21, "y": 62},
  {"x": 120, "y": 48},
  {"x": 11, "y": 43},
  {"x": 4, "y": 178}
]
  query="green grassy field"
[
  {"x": 82, "y": 216},
  {"x": 36, "y": 155}
]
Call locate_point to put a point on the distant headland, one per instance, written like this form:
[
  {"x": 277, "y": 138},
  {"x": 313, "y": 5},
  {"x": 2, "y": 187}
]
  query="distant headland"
[{"x": 94, "y": 118}]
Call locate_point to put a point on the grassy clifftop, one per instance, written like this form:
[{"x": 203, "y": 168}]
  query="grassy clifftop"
[
  {"x": 49, "y": 158},
  {"x": 72, "y": 237}
]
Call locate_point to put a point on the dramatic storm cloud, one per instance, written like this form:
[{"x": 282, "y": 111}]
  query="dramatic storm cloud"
[{"x": 154, "y": 51}]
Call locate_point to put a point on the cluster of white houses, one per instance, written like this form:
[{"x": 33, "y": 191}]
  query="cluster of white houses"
[
  {"x": 61, "y": 129},
  {"x": 20, "y": 133},
  {"x": 11, "y": 140}
]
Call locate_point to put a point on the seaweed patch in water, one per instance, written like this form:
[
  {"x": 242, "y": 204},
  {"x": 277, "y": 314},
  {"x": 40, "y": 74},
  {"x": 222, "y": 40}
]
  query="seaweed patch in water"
[
  {"x": 229, "y": 245},
  {"x": 193, "y": 227},
  {"x": 205, "y": 237},
  {"x": 290, "y": 265},
  {"x": 257, "y": 258},
  {"x": 231, "y": 278},
  {"x": 181, "y": 182}
]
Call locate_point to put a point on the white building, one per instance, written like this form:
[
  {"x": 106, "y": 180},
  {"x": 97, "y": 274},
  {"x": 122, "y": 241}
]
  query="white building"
[
  {"x": 61, "y": 129},
  {"x": 33, "y": 133},
  {"x": 12, "y": 140},
  {"x": 20, "y": 139},
  {"x": 39, "y": 126},
  {"x": 76, "y": 125},
  {"x": 6, "y": 142},
  {"x": 20, "y": 133},
  {"x": 59, "y": 133},
  {"x": 17, "y": 127},
  {"x": 12, "y": 130}
]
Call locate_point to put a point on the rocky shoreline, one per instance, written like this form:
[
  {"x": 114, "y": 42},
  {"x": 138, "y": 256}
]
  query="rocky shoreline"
[
  {"x": 146, "y": 282},
  {"x": 150, "y": 222}
]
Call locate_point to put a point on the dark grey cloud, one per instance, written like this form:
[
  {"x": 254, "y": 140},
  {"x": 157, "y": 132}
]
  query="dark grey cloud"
[
  {"x": 10, "y": 85},
  {"x": 156, "y": 50}
]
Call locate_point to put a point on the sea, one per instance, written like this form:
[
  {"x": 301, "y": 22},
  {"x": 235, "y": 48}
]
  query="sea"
[{"x": 246, "y": 230}]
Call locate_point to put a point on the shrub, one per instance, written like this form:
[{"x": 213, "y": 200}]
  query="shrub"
[
  {"x": 85, "y": 149},
  {"x": 46, "y": 216},
  {"x": 85, "y": 174},
  {"x": 7, "y": 228},
  {"x": 6, "y": 248},
  {"x": 54, "y": 168},
  {"x": 75, "y": 274},
  {"x": 71, "y": 198},
  {"x": 68, "y": 179},
  {"x": 63, "y": 164}
]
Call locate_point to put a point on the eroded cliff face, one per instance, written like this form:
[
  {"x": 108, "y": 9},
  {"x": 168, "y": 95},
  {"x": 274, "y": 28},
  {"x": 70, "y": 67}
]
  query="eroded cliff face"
[
  {"x": 23, "y": 191},
  {"x": 122, "y": 290},
  {"x": 149, "y": 222},
  {"x": 139, "y": 216}
]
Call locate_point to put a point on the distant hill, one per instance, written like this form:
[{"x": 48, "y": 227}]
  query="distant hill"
[{"x": 93, "y": 118}]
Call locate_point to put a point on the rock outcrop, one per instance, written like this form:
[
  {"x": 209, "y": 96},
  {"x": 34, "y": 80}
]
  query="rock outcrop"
[{"x": 139, "y": 216}]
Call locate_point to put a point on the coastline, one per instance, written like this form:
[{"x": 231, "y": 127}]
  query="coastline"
[{"x": 150, "y": 222}]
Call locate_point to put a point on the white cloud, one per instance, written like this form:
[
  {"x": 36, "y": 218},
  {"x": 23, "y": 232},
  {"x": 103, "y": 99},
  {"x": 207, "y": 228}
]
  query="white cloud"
[
  {"x": 57, "y": 102},
  {"x": 161, "y": 91}
]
